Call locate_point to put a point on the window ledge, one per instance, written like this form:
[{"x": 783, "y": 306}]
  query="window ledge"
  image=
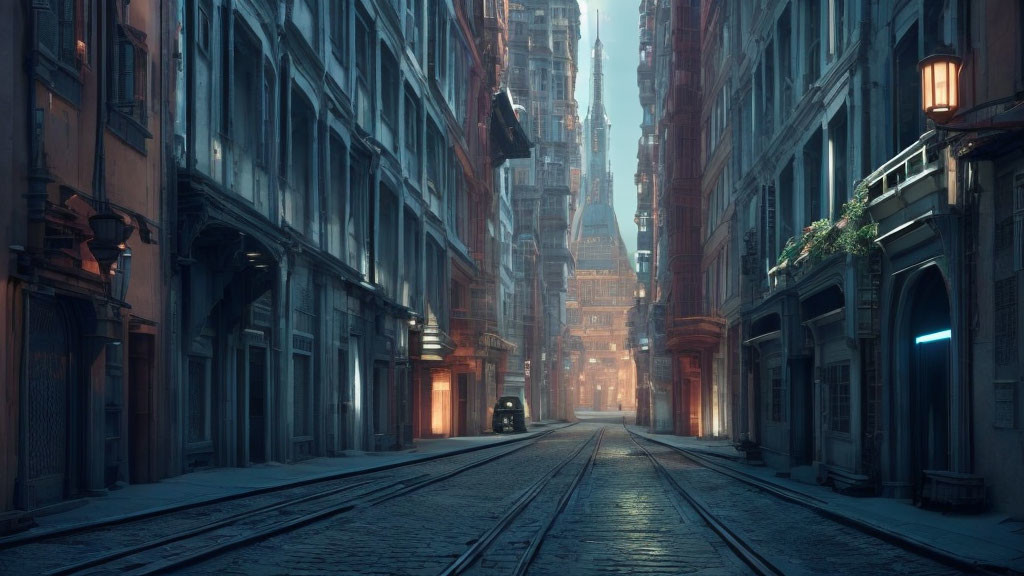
[
  {"x": 58, "y": 77},
  {"x": 128, "y": 130}
]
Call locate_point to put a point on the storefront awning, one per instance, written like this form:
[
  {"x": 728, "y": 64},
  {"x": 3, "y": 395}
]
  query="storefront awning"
[{"x": 495, "y": 342}]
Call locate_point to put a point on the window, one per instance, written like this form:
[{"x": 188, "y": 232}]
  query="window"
[
  {"x": 437, "y": 53},
  {"x": 412, "y": 284},
  {"x": 836, "y": 27},
  {"x": 1006, "y": 319},
  {"x": 778, "y": 395},
  {"x": 436, "y": 163},
  {"x": 812, "y": 179},
  {"x": 413, "y": 14},
  {"x": 490, "y": 9},
  {"x": 246, "y": 96},
  {"x": 301, "y": 399},
  {"x": 358, "y": 248},
  {"x": 226, "y": 55},
  {"x": 128, "y": 77},
  {"x": 339, "y": 196},
  {"x": 387, "y": 242},
  {"x": 282, "y": 134},
  {"x": 768, "y": 102},
  {"x": 59, "y": 29},
  {"x": 812, "y": 40},
  {"x": 837, "y": 377},
  {"x": 300, "y": 177},
  {"x": 412, "y": 137},
  {"x": 204, "y": 29},
  {"x": 837, "y": 147},
  {"x": 339, "y": 30},
  {"x": 907, "y": 92},
  {"x": 785, "y": 42},
  {"x": 786, "y": 208},
  {"x": 559, "y": 82},
  {"x": 198, "y": 400},
  {"x": 127, "y": 86},
  {"x": 365, "y": 72},
  {"x": 389, "y": 94}
]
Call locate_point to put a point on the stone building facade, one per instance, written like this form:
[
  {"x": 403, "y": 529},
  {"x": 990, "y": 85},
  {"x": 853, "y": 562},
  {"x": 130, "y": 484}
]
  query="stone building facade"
[
  {"x": 86, "y": 404},
  {"x": 543, "y": 48},
  {"x": 247, "y": 231},
  {"x": 862, "y": 267}
]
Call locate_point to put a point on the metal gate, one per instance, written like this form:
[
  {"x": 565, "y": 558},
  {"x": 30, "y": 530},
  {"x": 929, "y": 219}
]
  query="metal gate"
[{"x": 46, "y": 400}]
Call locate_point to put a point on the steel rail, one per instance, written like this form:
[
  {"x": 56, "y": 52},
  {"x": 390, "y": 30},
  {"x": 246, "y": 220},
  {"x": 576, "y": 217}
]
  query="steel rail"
[
  {"x": 402, "y": 486},
  {"x": 22, "y": 539},
  {"x": 820, "y": 507},
  {"x": 538, "y": 539},
  {"x": 758, "y": 563},
  {"x": 470, "y": 556}
]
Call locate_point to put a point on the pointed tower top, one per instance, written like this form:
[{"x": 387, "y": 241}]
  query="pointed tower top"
[{"x": 598, "y": 24}]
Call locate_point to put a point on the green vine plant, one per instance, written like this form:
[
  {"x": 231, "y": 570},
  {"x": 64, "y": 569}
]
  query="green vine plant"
[{"x": 852, "y": 234}]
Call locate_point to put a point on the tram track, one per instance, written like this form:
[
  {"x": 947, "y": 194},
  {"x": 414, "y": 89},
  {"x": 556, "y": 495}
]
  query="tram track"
[
  {"x": 825, "y": 534},
  {"x": 215, "y": 520},
  {"x": 470, "y": 558},
  {"x": 758, "y": 563},
  {"x": 615, "y": 514}
]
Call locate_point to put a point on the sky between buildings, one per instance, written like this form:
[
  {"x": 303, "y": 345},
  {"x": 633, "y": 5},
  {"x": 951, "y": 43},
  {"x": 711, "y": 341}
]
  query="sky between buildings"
[{"x": 620, "y": 34}]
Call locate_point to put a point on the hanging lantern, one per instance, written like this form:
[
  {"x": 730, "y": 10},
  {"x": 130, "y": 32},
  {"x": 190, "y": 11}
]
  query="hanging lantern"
[
  {"x": 940, "y": 90},
  {"x": 109, "y": 235}
]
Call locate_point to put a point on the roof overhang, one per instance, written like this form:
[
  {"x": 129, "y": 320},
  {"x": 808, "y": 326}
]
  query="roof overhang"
[{"x": 506, "y": 132}]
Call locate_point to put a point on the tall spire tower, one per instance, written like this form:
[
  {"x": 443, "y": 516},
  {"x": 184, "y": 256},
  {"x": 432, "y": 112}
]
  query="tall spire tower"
[
  {"x": 599, "y": 178},
  {"x": 604, "y": 276}
]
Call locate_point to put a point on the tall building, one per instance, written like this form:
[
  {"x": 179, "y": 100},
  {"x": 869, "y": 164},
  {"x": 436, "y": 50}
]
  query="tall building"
[
  {"x": 602, "y": 289},
  {"x": 865, "y": 270},
  {"x": 646, "y": 216},
  {"x": 86, "y": 402},
  {"x": 542, "y": 50},
  {"x": 477, "y": 367}
]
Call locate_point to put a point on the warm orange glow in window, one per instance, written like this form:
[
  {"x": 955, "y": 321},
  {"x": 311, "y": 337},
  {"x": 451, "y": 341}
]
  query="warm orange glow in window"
[{"x": 440, "y": 404}]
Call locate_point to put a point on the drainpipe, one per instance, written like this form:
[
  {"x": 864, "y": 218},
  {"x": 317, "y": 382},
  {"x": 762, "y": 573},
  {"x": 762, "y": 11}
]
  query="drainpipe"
[
  {"x": 38, "y": 174},
  {"x": 99, "y": 162}
]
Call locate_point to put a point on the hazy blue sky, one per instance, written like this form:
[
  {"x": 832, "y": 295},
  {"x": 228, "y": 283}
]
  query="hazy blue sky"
[{"x": 621, "y": 37}]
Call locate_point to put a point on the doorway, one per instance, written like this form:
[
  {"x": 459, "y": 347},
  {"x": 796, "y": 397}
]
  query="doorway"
[
  {"x": 140, "y": 398},
  {"x": 49, "y": 433},
  {"x": 460, "y": 426},
  {"x": 257, "y": 404},
  {"x": 929, "y": 342}
]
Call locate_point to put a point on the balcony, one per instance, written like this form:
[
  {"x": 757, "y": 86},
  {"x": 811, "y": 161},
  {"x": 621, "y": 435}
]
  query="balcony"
[{"x": 694, "y": 333}]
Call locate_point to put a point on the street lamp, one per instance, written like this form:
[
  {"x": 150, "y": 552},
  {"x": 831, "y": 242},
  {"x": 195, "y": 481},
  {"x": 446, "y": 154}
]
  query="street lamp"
[
  {"x": 110, "y": 232},
  {"x": 940, "y": 98},
  {"x": 940, "y": 90}
]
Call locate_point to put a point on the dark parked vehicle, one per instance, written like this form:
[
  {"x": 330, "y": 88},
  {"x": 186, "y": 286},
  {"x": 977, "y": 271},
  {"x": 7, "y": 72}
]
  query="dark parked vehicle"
[{"x": 509, "y": 415}]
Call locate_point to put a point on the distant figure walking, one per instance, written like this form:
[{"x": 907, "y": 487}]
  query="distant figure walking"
[{"x": 620, "y": 406}]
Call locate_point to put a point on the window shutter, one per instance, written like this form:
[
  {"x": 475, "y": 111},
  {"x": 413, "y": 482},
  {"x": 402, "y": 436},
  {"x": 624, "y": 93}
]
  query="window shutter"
[
  {"x": 79, "y": 30},
  {"x": 1018, "y": 221},
  {"x": 46, "y": 25},
  {"x": 67, "y": 31},
  {"x": 124, "y": 90},
  {"x": 139, "y": 88}
]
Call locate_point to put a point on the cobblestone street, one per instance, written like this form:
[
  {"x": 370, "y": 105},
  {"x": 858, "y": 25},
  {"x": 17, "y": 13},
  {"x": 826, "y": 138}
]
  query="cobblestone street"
[{"x": 592, "y": 498}]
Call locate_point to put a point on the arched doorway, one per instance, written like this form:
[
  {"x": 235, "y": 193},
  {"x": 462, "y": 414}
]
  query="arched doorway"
[
  {"x": 928, "y": 356},
  {"x": 51, "y": 426}
]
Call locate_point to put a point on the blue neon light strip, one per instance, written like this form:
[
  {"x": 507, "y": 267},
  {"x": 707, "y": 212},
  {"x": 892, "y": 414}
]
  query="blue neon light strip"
[{"x": 944, "y": 335}]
